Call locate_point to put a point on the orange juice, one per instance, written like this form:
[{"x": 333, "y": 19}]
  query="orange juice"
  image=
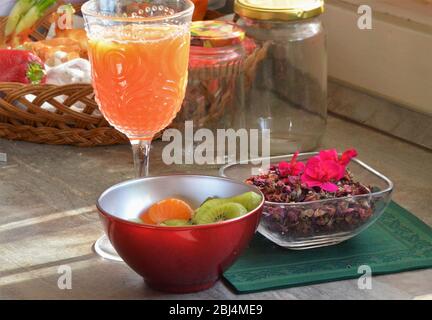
[{"x": 140, "y": 76}]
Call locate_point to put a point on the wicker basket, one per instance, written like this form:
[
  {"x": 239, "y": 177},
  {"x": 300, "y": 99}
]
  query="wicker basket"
[
  {"x": 22, "y": 118},
  {"x": 45, "y": 113}
]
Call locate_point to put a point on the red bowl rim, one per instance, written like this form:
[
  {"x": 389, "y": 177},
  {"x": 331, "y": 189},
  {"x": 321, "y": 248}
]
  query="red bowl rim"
[{"x": 193, "y": 227}]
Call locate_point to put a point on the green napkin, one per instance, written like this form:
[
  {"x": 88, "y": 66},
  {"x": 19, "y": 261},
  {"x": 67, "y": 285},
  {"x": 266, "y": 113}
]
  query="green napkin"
[{"x": 397, "y": 242}]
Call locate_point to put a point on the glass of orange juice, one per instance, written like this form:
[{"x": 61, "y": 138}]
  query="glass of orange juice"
[{"x": 139, "y": 53}]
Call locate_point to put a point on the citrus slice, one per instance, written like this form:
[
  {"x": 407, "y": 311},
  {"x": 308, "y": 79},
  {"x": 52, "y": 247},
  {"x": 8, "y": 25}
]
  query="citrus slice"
[
  {"x": 145, "y": 218},
  {"x": 169, "y": 209}
]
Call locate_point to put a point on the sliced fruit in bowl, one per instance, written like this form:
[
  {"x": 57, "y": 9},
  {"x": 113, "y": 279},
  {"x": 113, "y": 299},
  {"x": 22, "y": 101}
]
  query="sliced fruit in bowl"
[
  {"x": 176, "y": 223},
  {"x": 169, "y": 236},
  {"x": 168, "y": 209},
  {"x": 221, "y": 212},
  {"x": 174, "y": 212}
]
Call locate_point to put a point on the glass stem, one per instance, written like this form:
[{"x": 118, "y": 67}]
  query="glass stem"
[{"x": 141, "y": 155}]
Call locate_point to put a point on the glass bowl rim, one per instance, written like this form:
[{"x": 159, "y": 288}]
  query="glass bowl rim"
[
  {"x": 389, "y": 188},
  {"x": 95, "y": 14}
]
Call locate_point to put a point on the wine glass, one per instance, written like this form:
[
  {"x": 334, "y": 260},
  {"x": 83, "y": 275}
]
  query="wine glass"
[{"x": 139, "y": 53}]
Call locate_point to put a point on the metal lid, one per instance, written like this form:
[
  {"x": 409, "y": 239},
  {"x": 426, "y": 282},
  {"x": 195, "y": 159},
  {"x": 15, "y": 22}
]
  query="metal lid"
[
  {"x": 283, "y": 10},
  {"x": 212, "y": 34}
]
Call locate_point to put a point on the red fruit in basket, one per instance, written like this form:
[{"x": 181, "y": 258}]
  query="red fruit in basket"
[
  {"x": 200, "y": 9},
  {"x": 21, "y": 66}
]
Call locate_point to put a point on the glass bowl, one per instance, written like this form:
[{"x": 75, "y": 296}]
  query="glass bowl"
[{"x": 319, "y": 223}]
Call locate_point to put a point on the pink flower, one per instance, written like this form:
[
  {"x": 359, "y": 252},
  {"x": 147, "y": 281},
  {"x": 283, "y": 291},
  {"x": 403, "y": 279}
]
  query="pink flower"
[
  {"x": 347, "y": 156},
  {"x": 326, "y": 168},
  {"x": 332, "y": 154},
  {"x": 293, "y": 168}
]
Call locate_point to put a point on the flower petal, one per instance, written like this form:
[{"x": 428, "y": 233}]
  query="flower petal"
[
  {"x": 294, "y": 158},
  {"x": 330, "y": 187},
  {"x": 347, "y": 156},
  {"x": 332, "y": 169},
  {"x": 330, "y": 154},
  {"x": 297, "y": 168},
  {"x": 284, "y": 168}
]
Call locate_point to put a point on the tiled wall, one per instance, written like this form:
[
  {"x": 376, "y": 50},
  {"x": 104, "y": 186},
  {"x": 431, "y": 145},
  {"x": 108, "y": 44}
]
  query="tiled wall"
[{"x": 380, "y": 114}]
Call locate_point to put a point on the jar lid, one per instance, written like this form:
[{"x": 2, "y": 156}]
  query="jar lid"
[
  {"x": 283, "y": 10},
  {"x": 214, "y": 33}
]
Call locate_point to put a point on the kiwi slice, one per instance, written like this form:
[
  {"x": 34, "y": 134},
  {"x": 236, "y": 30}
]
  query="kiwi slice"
[
  {"x": 208, "y": 204},
  {"x": 221, "y": 212},
  {"x": 175, "y": 223},
  {"x": 250, "y": 200},
  {"x": 212, "y": 202}
]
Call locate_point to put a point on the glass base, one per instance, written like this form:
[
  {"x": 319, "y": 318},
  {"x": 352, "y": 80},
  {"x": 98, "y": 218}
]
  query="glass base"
[
  {"x": 104, "y": 248},
  {"x": 304, "y": 244}
]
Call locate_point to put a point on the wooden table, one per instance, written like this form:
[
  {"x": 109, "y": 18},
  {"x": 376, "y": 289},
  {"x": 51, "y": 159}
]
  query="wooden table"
[{"x": 48, "y": 219}]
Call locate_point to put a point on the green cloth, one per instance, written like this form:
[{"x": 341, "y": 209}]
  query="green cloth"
[{"x": 396, "y": 242}]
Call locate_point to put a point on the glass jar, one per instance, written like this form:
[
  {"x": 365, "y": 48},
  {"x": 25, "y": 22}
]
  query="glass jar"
[
  {"x": 213, "y": 96},
  {"x": 286, "y": 79}
]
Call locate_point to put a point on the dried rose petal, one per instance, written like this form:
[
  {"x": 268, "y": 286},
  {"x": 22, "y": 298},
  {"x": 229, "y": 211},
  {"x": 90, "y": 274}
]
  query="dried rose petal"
[{"x": 313, "y": 218}]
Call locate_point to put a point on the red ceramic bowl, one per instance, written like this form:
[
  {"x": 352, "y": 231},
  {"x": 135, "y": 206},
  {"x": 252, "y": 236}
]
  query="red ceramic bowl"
[{"x": 176, "y": 259}]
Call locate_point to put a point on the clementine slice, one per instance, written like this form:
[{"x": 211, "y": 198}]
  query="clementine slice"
[
  {"x": 169, "y": 209},
  {"x": 145, "y": 218}
]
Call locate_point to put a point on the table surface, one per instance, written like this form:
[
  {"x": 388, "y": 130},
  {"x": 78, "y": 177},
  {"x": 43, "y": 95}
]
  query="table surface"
[{"x": 48, "y": 219}]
